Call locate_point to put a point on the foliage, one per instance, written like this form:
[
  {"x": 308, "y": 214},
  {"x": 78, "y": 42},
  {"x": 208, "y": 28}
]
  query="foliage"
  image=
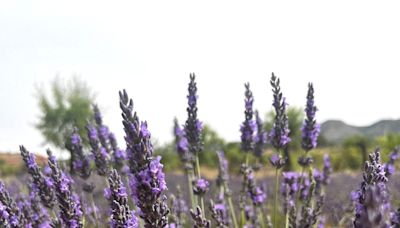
[
  {"x": 360, "y": 143},
  {"x": 68, "y": 106}
]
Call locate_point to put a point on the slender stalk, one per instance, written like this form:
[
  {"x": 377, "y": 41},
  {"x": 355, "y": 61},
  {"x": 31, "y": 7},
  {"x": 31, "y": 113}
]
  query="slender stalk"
[
  {"x": 190, "y": 186},
  {"x": 261, "y": 217},
  {"x": 231, "y": 208},
  {"x": 276, "y": 195},
  {"x": 198, "y": 166},
  {"x": 94, "y": 209},
  {"x": 287, "y": 219},
  {"x": 242, "y": 212},
  {"x": 199, "y": 176}
]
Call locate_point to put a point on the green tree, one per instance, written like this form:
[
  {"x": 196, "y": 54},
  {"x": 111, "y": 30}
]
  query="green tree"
[
  {"x": 68, "y": 106},
  {"x": 361, "y": 143},
  {"x": 212, "y": 143},
  {"x": 295, "y": 117}
]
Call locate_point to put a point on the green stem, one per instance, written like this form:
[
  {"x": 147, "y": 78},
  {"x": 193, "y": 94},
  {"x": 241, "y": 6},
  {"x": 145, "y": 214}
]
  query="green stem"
[
  {"x": 199, "y": 176},
  {"x": 190, "y": 186},
  {"x": 276, "y": 195},
  {"x": 230, "y": 204},
  {"x": 198, "y": 167},
  {"x": 261, "y": 217},
  {"x": 94, "y": 209},
  {"x": 287, "y": 219}
]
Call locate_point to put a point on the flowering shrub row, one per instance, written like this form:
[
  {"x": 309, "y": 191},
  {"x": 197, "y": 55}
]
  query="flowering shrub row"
[{"x": 136, "y": 188}]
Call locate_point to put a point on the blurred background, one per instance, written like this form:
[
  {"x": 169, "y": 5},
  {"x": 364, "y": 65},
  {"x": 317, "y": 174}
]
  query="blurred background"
[{"x": 62, "y": 57}]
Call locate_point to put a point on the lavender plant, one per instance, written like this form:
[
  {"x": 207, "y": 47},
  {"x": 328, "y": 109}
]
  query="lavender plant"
[
  {"x": 302, "y": 194},
  {"x": 68, "y": 202},
  {"x": 193, "y": 130},
  {"x": 11, "y": 215},
  {"x": 100, "y": 154},
  {"x": 147, "y": 179},
  {"x": 279, "y": 135},
  {"x": 42, "y": 183},
  {"x": 121, "y": 215},
  {"x": 372, "y": 203},
  {"x": 182, "y": 147}
]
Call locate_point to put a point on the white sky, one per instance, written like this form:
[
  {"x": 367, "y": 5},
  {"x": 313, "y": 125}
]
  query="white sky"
[{"x": 349, "y": 49}]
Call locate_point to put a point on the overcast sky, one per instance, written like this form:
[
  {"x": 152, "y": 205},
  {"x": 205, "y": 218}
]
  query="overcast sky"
[{"x": 350, "y": 50}]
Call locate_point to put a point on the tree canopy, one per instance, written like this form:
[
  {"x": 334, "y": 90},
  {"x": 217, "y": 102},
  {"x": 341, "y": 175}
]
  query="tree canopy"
[{"x": 68, "y": 106}]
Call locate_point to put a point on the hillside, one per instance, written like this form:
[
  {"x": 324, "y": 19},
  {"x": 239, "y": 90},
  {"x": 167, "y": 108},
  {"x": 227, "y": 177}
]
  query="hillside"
[{"x": 335, "y": 131}]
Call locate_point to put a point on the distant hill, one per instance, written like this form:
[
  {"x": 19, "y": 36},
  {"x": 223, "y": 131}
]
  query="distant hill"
[{"x": 335, "y": 131}]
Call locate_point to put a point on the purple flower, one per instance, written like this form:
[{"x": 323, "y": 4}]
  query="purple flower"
[
  {"x": 193, "y": 126},
  {"x": 80, "y": 161},
  {"x": 147, "y": 187},
  {"x": 372, "y": 199},
  {"x": 101, "y": 157},
  {"x": 219, "y": 213},
  {"x": 69, "y": 203},
  {"x": 223, "y": 172},
  {"x": 389, "y": 166},
  {"x": 248, "y": 126},
  {"x": 201, "y": 186},
  {"x": 277, "y": 161},
  {"x": 182, "y": 145},
  {"x": 327, "y": 171},
  {"x": 43, "y": 183},
  {"x": 258, "y": 196},
  {"x": 279, "y": 135},
  {"x": 139, "y": 149},
  {"x": 178, "y": 210},
  {"x": 10, "y": 208},
  {"x": 310, "y": 129},
  {"x": 75, "y": 139},
  {"x": 121, "y": 215}
]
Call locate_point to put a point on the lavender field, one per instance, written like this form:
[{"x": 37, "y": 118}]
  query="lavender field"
[{"x": 123, "y": 184}]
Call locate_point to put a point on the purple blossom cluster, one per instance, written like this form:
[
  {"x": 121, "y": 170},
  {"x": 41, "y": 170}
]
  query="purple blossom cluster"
[
  {"x": 279, "y": 134},
  {"x": 182, "y": 146},
  {"x": 310, "y": 129},
  {"x": 248, "y": 127},
  {"x": 40, "y": 182},
  {"x": 193, "y": 126},
  {"x": 100, "y": 153},
  {"x": 121, "y": 215},
  {"x": 147, "y": 179},
  {"x": 81, "y": 161},
  {"x": 389, "y": 166},
  {"x": 68, "y": 202}
]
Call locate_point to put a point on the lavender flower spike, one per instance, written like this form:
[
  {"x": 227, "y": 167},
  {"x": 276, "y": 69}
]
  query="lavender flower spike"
[
  {"x": 9, "y": 211},
  {"x": 147, "y": 187},
  {"x": 389, "y": 166},
  {"x": 121, "y": 216},
  {"x": 372, "y": 199},
  {"x": 193, "y": 126},
  {"x": 69, "y": 203},
  {"x": 279, "y": 135},
  {"x": 182, "y": 144},
  {"x": 248, "y": 127},
  {"x": 81, "y": 163},
  {"x": 101, "y": 157},
  {"x": 310, "y": 129},
  {"x": 147, "y": 179},
  {"x": 41, "y": 182},
  {"x": 138, "y": 145}
]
